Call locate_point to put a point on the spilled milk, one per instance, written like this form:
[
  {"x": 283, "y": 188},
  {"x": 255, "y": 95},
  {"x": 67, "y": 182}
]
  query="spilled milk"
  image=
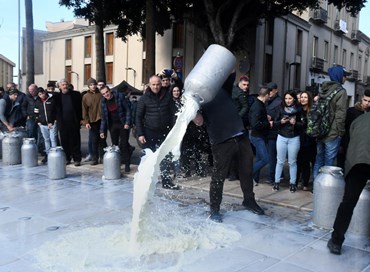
[{"x": 162, "y": 236}]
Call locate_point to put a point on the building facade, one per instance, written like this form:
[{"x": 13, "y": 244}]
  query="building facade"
[
  {"x": 295, "y": 51},
  {"x": 6, "y": 70}
]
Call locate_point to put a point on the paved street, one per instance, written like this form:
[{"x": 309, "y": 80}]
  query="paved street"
[{"x": 76, "y": 223}]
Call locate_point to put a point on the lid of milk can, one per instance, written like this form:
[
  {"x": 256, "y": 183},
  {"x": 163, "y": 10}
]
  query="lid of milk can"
[{"x": 332, "y": 170}]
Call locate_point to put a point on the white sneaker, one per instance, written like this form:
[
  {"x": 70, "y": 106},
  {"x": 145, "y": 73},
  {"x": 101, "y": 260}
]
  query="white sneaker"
[{"x": 88, "y": 158}]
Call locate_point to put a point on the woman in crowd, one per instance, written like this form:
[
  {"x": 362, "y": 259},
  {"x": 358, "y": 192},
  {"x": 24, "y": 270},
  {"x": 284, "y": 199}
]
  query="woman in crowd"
[
  {"x": 289, "y": 129},
  {"x": 307, "y": 151}
]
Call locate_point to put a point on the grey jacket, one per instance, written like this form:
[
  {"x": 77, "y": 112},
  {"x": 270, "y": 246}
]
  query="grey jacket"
[{"x": 359, "y": 144}]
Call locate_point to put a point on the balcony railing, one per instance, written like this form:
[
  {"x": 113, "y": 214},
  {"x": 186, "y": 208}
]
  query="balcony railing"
[
  {"x": 319, "y": 15},
  {"x": 317, "y": 63},
  {"x": 340, "y": 27},
  {"x": 356, "y": 36}
]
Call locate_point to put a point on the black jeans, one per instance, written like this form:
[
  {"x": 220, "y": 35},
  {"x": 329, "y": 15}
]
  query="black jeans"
[
  {"x": 120, "y": 137},
  {"x": 98, "y": 144},
  {"x": 305, "y": 162},
  {"x": 356, "y": 180},
  {"x": 70, "y": 138},
  {"x": 222, "y": 157}
]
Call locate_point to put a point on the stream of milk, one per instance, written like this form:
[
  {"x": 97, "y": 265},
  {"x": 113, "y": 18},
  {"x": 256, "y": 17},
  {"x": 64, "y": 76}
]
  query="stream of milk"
[{"x": 159, "y": 234}]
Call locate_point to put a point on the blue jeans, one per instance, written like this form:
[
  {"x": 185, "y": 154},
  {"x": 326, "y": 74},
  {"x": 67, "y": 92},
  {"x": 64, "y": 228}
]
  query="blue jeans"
[
  {"x": 326, "y": 154},
  {"x": 283, "y": 146},
  {"x": 50, "y": 136},
  {"x": 262, "y": 157}
]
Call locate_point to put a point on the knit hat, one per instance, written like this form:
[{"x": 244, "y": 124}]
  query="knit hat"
[
  {"x": 13, "y": 91},
  {"x": 91, "y": 81}
]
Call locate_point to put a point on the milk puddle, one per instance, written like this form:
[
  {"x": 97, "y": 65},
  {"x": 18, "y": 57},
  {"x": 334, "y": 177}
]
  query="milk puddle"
[{"x": 162, "y": 236}]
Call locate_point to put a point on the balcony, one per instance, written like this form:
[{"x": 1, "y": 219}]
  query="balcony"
[
  {"x": 317, "y": 64},
  {"x": 319, "y": 16},
  {"x": 356, "y": 36},
  {"x": 340, "y": 27},
  {"x": 353, "y": 76},
  {"x": 366, "y": 79}
]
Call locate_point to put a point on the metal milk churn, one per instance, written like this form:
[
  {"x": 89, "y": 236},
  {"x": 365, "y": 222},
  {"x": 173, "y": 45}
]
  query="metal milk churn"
[
  {"x": 210, "y": 72},
  {"x": 11, "y": 146},
  {"x": 56, "y": 163},
  {"x": 29, "y": 152},
  {"x": 328, "y": 194},
  {"x": 360, "y": 223},
  {"x": 112, "y": 163}
]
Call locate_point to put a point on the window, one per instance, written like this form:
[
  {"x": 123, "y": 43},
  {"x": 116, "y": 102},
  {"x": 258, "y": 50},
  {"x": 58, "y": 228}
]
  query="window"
[
  {"x": 68, "y": 74},
  {"x": 87, "y": 72},
  {"x": 335, "y": 55},
  {"x": 178, "y": 35},
  {"x": 109, "y": 71},
  {"x": 351, "y": 58},
  {"x": 109, "y": 40},
  {"x": 298, "y": 48},
  {"x": 359, "y": 64},
  {"x": 68, "y": 49},
  {"x": 326, "y": 50},
  {"x": 268, "y": 68},
  {"x": 344, "y": 58},
  {"x": 315, "y": 46},
  {"x": 270, "y": 31},
  {"x": 88, "y": 47}
]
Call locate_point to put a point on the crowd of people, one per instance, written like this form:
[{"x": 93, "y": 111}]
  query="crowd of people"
[{"x": 236, "y": 135}]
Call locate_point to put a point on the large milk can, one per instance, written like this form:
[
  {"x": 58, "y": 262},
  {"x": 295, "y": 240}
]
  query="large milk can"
[
  {"x": 360, "y": 223},
  {"x": 56, "y": 163},
  {"x": 112, "y": 163},
  {"x": 11, "y": 146},
  {"x": 328, "y": 194},
  {"x": 29, "y": 152},
  {"x": 210, "y": 72}
]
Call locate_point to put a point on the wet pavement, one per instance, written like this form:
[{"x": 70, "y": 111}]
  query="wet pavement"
[{"x": 35, "y": 210}]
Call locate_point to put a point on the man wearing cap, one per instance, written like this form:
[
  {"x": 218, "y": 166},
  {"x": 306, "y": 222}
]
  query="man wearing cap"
[
  {"x": 91, "y": 113},
  {"x": 273, "y": 111},
  {"x": 327, "y": 147},
  {"x": 10, "y": 111}
]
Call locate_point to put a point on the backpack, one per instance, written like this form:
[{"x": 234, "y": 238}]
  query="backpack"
[{"x": 318, "y": 121}]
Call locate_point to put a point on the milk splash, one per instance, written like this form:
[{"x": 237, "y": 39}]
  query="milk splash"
[
  {"x": 166, "y": 237},
  {"x": 148, "y": 170}
]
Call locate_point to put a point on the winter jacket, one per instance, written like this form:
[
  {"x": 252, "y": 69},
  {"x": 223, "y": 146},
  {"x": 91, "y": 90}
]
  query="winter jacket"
[
  {"x": 155, "y": 111},
  {"x": 273, "y": 109},
  {"x": 28, "y": 106},
  {"x": 288, "y": 130},
  {"x": 76, "y": 105},
  {"x": 359, "y": 144},
  {"x": 12, "y": 112},
  {"x": 240, "y": 99},
  {"x": 337, "y": 110},
  {"x": 91, "y": 107},
  {"x": 47, "y": 110},
  {"x": 123, "y": 111},
  {"x": 258, "y": 121},
  {"x": 221, "y": 116}
]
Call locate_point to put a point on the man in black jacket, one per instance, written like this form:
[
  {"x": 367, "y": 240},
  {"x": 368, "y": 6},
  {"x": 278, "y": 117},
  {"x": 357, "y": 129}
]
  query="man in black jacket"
[
  {"x": 260, "y": 127},
  {"x": 228, "y": 138},
  {"x": 69, "y": 120},
  {"x": 155, "y": 115}
]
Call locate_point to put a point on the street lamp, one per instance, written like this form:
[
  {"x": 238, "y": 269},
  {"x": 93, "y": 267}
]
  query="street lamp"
[
  {"x": 290, "y": 67},
  {"x": 132, "y": 69}
]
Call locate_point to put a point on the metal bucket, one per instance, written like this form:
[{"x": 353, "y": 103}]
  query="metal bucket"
[
  {"x": 112, "y": 163},
  {"x": 210, "y": 72},
  {"x": 11, "y": 148},
  {"x": 29, "y": 152},
  {"x": 360, "y": 223},
  {"x": 328, "y": 194},
  {"x": 56, "y": 163}
]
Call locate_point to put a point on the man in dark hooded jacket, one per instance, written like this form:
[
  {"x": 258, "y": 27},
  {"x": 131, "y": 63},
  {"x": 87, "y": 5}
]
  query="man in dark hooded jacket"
[{"x": 327, "y": 147}]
